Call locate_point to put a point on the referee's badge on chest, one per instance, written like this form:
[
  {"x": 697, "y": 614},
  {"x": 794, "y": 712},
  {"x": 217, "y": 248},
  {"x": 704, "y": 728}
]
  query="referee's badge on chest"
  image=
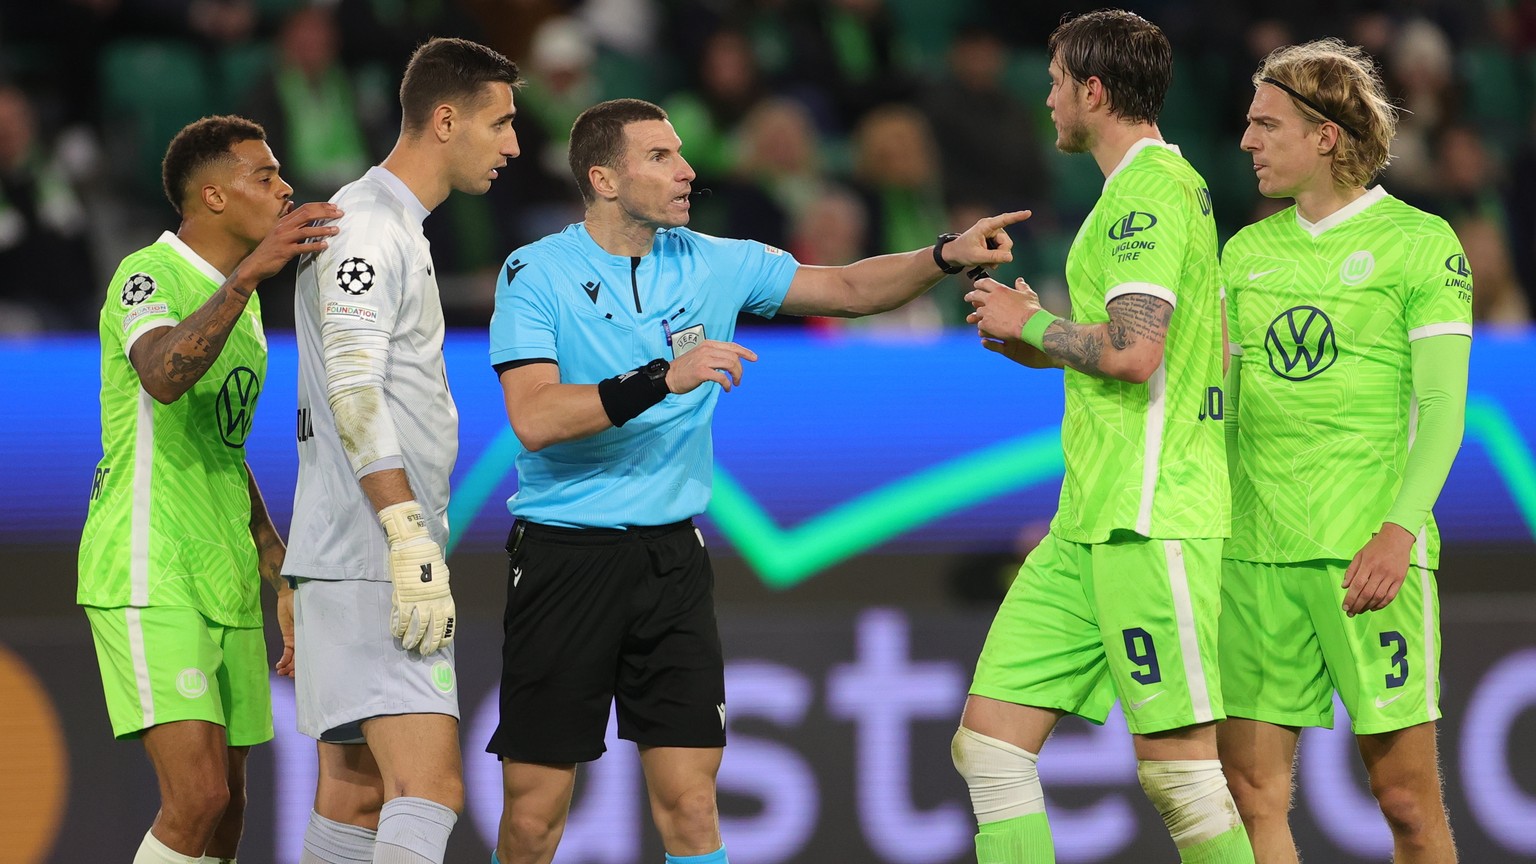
[{"x": 686, "y": 340}]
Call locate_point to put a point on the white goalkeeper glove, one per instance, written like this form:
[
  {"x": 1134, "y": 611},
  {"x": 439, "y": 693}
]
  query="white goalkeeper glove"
[{"x": 422, "y": 610}]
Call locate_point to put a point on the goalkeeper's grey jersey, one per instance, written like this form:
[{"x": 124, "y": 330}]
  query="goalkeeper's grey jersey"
[{"x": 374, "y": 280}]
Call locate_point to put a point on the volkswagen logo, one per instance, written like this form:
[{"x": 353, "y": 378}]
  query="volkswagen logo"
[
  {"x": 1301, "y": 343},
  {"x": 235, "y": 407}
]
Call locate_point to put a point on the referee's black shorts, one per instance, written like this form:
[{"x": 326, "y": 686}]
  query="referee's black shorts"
[{"x": 595, "y": 615}]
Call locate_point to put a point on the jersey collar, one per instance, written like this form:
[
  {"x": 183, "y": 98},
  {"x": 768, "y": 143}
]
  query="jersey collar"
[
  {"x": 193, "y": 258},
  {"x": 1131, "y": 154},
  {"x": 597, "y": 251},
  {"x": 1371, "y": 196},
  {"x": 397, "y": 187}
]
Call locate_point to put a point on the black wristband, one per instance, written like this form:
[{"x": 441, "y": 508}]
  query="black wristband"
[
  {"x": 626, "y": 396},
  {"x": 938, "y": 255}
]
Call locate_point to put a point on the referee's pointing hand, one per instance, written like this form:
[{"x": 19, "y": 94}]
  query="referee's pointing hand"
[
  {"x": 719, "y": 362},
  {"x": 985, "y": 244}
]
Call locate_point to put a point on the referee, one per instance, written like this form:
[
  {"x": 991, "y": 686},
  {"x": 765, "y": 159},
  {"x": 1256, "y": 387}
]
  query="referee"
[{"x": 606, "y": 338}]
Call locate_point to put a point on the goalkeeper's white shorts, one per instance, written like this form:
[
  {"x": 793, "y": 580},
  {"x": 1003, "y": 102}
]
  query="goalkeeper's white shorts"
[{"x": 349, "y": 668}]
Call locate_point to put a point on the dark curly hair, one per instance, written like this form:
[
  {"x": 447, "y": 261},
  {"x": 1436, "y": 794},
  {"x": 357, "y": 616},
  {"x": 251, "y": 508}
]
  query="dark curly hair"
[{"x": 201, "y": 143}]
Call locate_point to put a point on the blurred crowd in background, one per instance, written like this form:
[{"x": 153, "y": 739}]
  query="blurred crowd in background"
[{"x": 835, "y": 129}]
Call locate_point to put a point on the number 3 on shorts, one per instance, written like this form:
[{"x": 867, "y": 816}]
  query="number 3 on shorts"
[
  {"x": 1394, "y": 639},
  {"x": 1141, "y": 651}
]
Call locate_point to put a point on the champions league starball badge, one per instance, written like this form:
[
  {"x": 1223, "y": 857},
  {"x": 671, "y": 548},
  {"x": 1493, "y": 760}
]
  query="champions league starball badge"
[{"x": 355, "y": 276}]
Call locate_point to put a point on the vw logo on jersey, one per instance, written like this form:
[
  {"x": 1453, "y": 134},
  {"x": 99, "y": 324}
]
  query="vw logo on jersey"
[
  {"x": 235, "y": 407},
  {"x": 1458, "y": 264},
  {"x": 1301, "y": 343},
  {"x": 1357, "y": 267},
  {"x": 355, "y": 276},
  {"x": 1131, "y": 224}
]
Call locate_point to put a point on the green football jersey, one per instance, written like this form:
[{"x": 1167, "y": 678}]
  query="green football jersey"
[
  {"x": 170, "y": 507},
  {"x": 1148, "y": 458},
  {"x": 1324, "y": 315}
]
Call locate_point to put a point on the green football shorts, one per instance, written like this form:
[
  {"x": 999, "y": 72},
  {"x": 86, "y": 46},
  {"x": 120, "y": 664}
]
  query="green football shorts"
[
  {"x": 1286, "y": 645},
  {"x": 160, "y": 664},
  {"x": 1134, "y": 618}
]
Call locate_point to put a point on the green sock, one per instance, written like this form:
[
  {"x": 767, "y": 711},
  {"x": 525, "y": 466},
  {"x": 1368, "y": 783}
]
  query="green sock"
[
  {"x": 1021, "y": 840},
  {"x": 1229, "y": 848}
]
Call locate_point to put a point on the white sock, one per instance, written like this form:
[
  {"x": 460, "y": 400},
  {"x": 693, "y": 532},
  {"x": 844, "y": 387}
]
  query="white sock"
[
  {"x": 1192, "y": 797},
  {"x": 327, "y": 841},
  {"x": 152, "y": 851},
  {"x": 413, "y": 831}
]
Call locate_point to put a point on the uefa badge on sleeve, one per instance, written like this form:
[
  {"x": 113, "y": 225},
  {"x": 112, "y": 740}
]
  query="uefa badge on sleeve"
[
  {"x": 354, "y": 276},
  {"x": 138, "y": 288}
]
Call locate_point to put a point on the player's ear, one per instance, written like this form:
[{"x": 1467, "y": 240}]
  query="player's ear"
[
  {"x": 1094, "y": 88},
  {"x": 1327, "y": 139},
  {"x": 213, "y": 197},
  {"x": 443, "y": 118}
]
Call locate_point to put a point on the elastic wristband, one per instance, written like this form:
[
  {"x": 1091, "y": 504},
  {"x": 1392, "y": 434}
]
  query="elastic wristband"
[
  {"x": 626, "y": 396},
  {"x": 1034, "y": 328}
]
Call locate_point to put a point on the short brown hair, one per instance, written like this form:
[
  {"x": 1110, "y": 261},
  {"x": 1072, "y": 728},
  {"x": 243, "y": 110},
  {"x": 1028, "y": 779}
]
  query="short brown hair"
[
  {"x": 1343, "y": 81},
  {"x": 1126, "y": 52},
  {"x": 597, "y": 137},
  {"x": 448, "y": 70},
  {"x": 201, "y": 143}
]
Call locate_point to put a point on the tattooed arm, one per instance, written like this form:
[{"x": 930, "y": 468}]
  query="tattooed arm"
[
  {"x": 1128, "y": 347},
  {"x": 270, "y": 553},
  {"x": 269, "y": 545},
  {"x": 170, "y": 360}
]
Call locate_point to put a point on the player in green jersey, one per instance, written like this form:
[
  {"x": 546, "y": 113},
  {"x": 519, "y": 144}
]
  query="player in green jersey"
[
  {"x": 1351, "y": 324},
  {"x": 1121, "y": 598},
  {"x": 177, "y": 533}
]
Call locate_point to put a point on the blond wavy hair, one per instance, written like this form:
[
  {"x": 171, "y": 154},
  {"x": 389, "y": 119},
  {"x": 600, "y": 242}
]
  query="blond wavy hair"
[{"x": 1345, "y": 82}]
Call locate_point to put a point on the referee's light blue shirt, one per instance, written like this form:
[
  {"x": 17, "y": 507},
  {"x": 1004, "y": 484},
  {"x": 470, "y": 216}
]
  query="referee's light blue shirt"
[{"x": 597, "y": 315}]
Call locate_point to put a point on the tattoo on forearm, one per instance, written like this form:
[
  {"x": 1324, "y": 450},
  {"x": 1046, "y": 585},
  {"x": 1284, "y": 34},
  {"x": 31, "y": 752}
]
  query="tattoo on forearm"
[
  {"x": 1075, "y": 345},
  {"x": 187, "y": 368},
  {"x": 269, "y": 554},
  {"x": 193, "y": 345},
  {"x": 1132, "y": 318}
]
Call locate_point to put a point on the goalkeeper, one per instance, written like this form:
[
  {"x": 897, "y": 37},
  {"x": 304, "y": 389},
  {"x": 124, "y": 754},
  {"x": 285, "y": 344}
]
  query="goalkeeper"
[{"x": 378, "y": 436}]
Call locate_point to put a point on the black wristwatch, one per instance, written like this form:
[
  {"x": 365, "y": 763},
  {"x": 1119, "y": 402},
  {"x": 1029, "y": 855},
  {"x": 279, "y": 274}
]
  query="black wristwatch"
[
  {"x": 656, "y": 371},
  {"x": 938, "y": 254}
]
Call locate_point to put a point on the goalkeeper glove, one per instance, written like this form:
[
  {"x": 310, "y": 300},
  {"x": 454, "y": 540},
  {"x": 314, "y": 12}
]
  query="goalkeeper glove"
[{"x": 422, "y": 610}]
